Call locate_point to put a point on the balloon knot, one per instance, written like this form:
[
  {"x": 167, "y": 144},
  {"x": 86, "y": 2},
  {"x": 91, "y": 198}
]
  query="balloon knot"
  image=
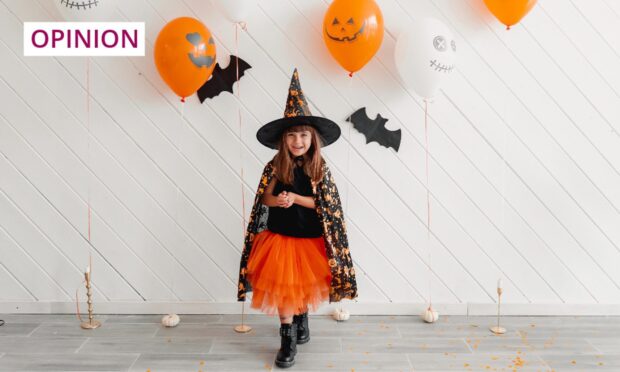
[
  {"x": 183, "y": 99},
  {"x": 350, "y": 74},
  {"x": 507, "y": 28}
]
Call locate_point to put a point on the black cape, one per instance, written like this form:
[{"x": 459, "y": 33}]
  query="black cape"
[{"x": 329, "y": 210}]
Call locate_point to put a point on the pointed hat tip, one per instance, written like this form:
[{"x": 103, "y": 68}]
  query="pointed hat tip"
[{"x": 296, "y": 104}]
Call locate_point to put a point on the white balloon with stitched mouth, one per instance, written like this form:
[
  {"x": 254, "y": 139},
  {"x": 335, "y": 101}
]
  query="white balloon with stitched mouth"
[
  {"x": 86, "y": 10},
  {"x": 425, "y": 55},
  {"x": 236, "y": 11}
]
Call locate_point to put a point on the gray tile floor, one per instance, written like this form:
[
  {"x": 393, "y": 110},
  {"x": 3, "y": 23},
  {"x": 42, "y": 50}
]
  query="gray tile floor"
[{"x": 380, "y": 343}]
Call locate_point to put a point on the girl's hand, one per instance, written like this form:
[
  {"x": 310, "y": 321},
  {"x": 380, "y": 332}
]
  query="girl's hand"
[
  {"x": 291, "y": 196},
  {"x": 283, "y": 200}
]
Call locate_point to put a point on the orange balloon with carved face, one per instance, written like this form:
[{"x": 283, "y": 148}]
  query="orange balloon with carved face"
[
  {"x": 185, "y": 55},
  {"x": 353, "y": 32}
]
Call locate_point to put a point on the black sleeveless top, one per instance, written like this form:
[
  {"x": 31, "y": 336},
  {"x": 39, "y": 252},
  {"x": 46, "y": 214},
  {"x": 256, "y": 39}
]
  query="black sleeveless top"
[{"x": 297, "y": 221}]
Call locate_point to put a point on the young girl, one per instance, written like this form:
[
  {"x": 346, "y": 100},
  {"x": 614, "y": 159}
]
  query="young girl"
[{"x": 296, "y": 253}]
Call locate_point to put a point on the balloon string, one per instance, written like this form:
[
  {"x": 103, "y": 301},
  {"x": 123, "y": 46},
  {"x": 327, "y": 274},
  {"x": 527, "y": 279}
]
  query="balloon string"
[
  {"x": 88, "y": 143},
  {"x": 243, "y": 26},
  {"x": 504, "y": 164},
  {"x": 349, "y": 154},
  {"x": 88, "y": 181},
  {"x": 175, "y": 143},
  {"x": 178, "y": 190},
  {"x": 428, "y": 203}
]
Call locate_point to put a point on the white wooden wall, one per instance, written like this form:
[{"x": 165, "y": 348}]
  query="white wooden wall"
[{"x": 166, "y": 193}]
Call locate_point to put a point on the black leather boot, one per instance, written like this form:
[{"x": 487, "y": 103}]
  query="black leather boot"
[
  {"x": 288, "y": 345},
  {"x": 303, "y": 332}
]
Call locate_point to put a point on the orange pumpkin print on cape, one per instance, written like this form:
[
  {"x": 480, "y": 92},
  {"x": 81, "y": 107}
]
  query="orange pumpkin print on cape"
[{"x": 353, "y": 32}]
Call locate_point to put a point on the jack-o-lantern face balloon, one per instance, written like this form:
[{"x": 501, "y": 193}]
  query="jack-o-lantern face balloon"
[
  {"x": 353, "y": 32},
  {"x": 185, "y": 55}
]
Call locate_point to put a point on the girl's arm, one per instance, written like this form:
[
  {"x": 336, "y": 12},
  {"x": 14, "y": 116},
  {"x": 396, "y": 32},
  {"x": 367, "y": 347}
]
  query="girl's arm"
[{"x": 304, "y": 201}]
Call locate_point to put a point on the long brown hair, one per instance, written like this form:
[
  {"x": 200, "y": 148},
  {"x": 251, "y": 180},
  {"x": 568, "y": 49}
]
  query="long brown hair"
[{"x": 284, "y": 160}]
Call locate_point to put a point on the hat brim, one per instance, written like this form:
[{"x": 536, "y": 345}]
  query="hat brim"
[{"x": 270, "y": 133}]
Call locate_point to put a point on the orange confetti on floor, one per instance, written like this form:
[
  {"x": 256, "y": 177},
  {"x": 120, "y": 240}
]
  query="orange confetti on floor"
[
  {"x": 475, "y": 345},
  {"x": 518, "y": 362}
]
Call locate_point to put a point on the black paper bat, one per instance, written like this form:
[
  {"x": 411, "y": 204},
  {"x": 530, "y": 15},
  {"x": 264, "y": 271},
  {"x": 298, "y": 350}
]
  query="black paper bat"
[
  {"x": 222, "y": 80},
  {"x": 375, "y": 130}
]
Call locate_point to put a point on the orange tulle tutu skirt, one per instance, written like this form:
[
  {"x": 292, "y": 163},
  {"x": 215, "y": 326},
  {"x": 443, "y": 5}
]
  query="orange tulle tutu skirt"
[{"x": 288, "y": 274}]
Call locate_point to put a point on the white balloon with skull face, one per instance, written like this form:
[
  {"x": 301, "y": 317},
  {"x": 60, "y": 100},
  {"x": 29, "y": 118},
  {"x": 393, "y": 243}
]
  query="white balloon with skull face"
[
  {"x": 425, "y": 55},
  {"x": 236, "y": 11},
  {"x": 86, "y": 10}
]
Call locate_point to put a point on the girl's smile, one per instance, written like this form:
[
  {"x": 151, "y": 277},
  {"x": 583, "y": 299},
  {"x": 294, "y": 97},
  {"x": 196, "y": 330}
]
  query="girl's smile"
[{"x": 298, "y": 143}]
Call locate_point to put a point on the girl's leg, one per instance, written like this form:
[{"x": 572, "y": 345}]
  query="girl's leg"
[
  {"x": 288, "y": 344},
  {"x": 303, "y": 331},
  {"x": 285, "y": 318}
]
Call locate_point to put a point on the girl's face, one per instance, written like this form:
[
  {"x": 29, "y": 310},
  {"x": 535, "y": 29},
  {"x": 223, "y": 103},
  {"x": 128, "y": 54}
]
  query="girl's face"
[{"x": 298, "y": 143}]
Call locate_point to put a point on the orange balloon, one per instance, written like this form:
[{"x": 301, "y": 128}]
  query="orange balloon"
[
  {"x": 353, "y": 32},
  {"x": 185, "y": 55},
  {"x": 510, "y": 12}
]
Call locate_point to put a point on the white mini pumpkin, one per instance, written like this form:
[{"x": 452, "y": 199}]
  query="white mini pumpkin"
[
  {"x": 430, "y": 315},
  {"x": 170, "y": 320},
  {"x": 341, "y": 315}
]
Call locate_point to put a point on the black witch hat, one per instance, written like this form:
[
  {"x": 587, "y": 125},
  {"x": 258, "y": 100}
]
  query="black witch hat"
[{"x": 297, "y": 112}]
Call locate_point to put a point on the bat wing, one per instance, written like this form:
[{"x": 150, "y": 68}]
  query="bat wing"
[
  {"x": 392, "y": 138},
  {"x": 375, "y": 130},
  {"x": 361, "y": 121},
  {"x": 222, "y": 80}
]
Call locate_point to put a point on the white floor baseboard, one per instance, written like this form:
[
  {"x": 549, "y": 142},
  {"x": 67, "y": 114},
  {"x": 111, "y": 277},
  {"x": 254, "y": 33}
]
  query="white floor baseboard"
[{"x": 355, "y": 308}]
